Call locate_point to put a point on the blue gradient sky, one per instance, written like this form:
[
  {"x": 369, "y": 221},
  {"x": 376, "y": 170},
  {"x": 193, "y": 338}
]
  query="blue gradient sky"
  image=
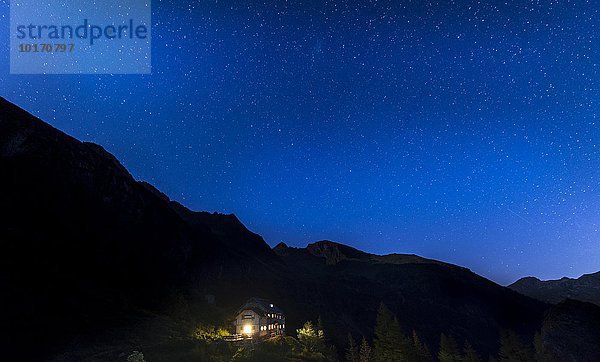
[{"x": 461, "y": 131}]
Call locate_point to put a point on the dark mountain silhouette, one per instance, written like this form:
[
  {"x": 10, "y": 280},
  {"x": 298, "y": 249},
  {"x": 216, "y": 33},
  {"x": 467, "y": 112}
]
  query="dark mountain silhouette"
[
  {"x": 346, "y": 286},
  {"x": 90, "y": 258},
  {"x": 585, "y": 288},
  {"x": 563, "y": 328}
]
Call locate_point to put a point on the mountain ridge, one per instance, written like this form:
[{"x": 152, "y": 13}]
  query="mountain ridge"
[
  {"x": 586, "y": 288},
  {"x": 333, "y": 253}
]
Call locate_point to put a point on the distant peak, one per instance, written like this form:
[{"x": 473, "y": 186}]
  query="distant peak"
[
  {"x": 281, "y": 249},
  {"x": 329, "y": 244},
  {"x": 281, "y": 245},
  {"x": 335, "y": 252}
]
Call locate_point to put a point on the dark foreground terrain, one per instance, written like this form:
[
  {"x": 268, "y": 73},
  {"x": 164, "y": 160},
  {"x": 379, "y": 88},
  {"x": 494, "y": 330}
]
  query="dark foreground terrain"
[{"x": 95, "y": 264}]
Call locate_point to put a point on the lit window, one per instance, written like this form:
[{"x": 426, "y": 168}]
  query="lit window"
[{"x": 247, "y": 329}]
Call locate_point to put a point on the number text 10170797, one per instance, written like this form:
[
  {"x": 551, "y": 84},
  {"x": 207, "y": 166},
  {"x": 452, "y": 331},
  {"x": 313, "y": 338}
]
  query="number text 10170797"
[{"x": 46, "y": 48}]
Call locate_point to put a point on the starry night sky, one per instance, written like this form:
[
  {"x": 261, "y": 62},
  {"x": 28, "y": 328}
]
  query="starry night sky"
[{"x": 465, "y": 131}]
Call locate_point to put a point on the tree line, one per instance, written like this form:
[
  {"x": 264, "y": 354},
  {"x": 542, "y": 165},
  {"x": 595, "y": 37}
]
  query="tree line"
[{"x": 392, "y": 344}]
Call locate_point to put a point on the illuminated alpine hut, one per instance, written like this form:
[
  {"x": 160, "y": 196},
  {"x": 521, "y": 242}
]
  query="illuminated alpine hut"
[{"x": 259, "y": 318}]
